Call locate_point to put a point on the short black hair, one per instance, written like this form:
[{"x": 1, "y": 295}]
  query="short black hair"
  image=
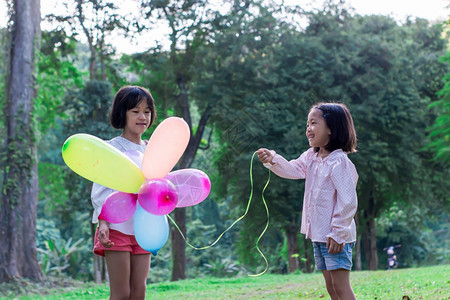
[
  {"x": 129, "y": 97},
  {"x": 340, "y": 122}
]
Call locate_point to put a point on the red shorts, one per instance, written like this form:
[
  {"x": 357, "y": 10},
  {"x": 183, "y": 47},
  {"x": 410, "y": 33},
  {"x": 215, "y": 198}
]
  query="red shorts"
[{"x": 122, "y": 242}]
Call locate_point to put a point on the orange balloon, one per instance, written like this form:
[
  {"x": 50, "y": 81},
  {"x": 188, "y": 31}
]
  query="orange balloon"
[{"x": 165, "y": 147}]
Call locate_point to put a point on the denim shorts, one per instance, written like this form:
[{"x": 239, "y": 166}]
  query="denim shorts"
[{"x": 327, "y": 261}]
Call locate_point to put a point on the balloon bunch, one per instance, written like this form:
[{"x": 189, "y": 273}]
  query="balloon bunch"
[{"x": 149, "y": 194}]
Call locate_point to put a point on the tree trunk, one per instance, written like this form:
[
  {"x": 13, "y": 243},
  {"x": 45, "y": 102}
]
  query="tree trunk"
[
  {"x": 178, "y": 244},
  {"x": 293, "y": 250},
  {"x": 100, "y": 272},
  {"x": 369, "y": 237},
  {"x": 102, "y": 63},
  {"x": 307, "y": 256},
  {"x": 92, "y": 49},
  {"x": 373, "y": 262},
  {"x": 358, "y": 263},
  {"x": 366, "y": 245},
  {"x": 18, "y": 254},
  {"x": 97, "y": 269}
]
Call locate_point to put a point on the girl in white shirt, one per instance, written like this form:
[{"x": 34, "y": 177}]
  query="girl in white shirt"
[
  {"x": 133, "y": 111},
  {"x": 330, "y": 200}
]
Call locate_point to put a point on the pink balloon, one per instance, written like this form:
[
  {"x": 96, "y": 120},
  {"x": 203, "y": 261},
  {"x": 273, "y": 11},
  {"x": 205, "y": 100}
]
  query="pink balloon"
[
  {"x": 158, "y": 196},
  {"x": 193, "y": 186},
  {"x": 165, "y": 147},
  {"x": 118, "y": 207}
]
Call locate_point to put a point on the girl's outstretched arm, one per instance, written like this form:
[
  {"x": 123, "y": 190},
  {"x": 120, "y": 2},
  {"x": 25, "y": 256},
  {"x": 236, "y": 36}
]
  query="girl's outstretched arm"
[{"x": 294, "y": 169}]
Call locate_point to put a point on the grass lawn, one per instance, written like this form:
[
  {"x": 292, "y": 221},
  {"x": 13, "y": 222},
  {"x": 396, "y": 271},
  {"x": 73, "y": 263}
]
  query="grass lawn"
[{"x": 418, "y": 283}]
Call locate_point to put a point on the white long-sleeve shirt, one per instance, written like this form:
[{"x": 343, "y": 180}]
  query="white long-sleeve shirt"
[
  {"x": 330, "y": 199},
  {"x": 99, "y": 192}
]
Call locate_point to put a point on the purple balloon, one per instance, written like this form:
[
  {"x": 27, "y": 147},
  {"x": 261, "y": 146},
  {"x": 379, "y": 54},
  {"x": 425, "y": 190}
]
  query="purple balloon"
[
  {"x": 158, "y": 196},
  {"x": 193, "y": 186},
  {"x": 118, "y": 207}
]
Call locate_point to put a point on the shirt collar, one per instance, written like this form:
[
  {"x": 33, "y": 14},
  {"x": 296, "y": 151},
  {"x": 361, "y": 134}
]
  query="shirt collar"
[{"x": 331, "y": 157}]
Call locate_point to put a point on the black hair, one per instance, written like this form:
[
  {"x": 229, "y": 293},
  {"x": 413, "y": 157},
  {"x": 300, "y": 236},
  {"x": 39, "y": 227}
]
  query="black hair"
[
  {"x": 340, "y": 122},
  {"x": 129, "y": 97}
]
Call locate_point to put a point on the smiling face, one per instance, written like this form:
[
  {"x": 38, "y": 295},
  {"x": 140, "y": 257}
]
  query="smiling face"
[
  {"x": 138, "y": 119},
  {"x": 317, "y": 131}
]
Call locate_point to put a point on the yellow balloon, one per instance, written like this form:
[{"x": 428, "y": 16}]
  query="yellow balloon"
[
  {"x": 165, "y": 147},
  {"x": 98, "y": 161}
]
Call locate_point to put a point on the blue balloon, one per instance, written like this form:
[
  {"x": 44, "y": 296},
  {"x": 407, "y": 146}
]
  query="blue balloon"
[{"x": 151, "y": 231}]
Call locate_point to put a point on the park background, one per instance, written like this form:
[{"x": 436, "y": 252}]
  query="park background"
[{"x": 243, "y": 74}]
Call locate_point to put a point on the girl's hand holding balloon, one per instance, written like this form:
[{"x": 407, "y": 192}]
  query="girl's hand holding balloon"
[
  {"x": 264, "y": 155},
  {"x": 103, "y": 233}
]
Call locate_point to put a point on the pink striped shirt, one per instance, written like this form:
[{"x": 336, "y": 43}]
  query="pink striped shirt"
[{"x": 330, "y": 199}]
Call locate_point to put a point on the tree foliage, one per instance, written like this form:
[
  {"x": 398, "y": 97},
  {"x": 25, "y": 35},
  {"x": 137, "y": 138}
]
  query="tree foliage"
[
  {"x": 245, "y": 74},
  {"x": 96, "y": 20},
  {"x": 243, "y": 78},
  {"x": 385, "y": 72},
  {"x": 440, "y": 130},
  {"x": 57, "y": 74}
]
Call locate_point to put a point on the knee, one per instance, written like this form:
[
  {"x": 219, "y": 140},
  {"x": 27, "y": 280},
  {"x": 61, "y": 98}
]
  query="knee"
[
  {"x": 122, "y": 294},
  {"x": 331, "y": 290},
  {"x": 138, "y": 291},
  {"x": 329, "y": 286},
  {"x": 342, "y": 290},
  {"x": 333, "y": 294}
]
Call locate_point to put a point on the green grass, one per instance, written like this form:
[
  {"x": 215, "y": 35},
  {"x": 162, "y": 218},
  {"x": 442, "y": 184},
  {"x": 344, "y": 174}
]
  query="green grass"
[{"x": 418, "y": 283}]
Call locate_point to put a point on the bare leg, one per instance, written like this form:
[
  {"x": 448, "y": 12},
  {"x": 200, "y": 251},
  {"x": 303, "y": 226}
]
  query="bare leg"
[
  {"x": 341, "y": 284},
  {"x": 329, "y": 285},
  {"x": 140, "y": 266},
  {"x": 118, "y": 263}
]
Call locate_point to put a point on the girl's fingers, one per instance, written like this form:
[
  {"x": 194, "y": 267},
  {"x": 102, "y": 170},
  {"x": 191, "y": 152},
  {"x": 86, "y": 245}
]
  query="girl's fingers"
[
  {"x": 332, "y": 249},
  {"x": 107, "y": 243},
  {"x": 264, "y": 155},
  {"x": 336, "y": 248},
  {"x": 104, "y": 239}
]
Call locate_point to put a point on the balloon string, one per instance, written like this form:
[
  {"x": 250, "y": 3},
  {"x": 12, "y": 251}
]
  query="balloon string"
[
  {"x": 265, "y": 228},
  {"x": 239, "y": 219}
]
